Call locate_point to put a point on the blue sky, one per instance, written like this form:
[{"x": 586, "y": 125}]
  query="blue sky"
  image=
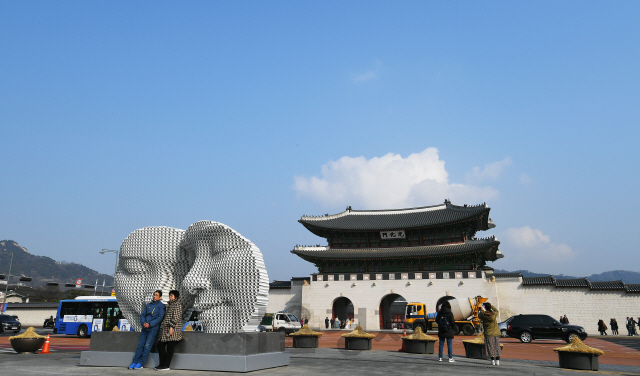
[{"x": 121, "y": 115}]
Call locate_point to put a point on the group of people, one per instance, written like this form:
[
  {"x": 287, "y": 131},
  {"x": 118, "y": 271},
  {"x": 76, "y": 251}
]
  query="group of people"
[
  {"x": 630, "y": 324},
  {"x": 447, "y": 329},
  {"x": 335, "y": 323},
  {"x": 156, "y": 318}
]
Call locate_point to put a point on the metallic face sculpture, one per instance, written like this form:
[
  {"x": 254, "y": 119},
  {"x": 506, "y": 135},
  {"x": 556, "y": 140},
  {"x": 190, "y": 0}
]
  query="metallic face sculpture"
[
  {"x": 228, "y": 278},
  {"x": 151, "y": 259},
  {"x": 217, "y": 271}
]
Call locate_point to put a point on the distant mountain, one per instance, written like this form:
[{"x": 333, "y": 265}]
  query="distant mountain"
[
  {"x": 44, "y": 269},
  {"x": 613, "y": 275}
]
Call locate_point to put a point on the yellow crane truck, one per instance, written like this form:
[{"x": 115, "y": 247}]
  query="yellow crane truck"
[{"x": 465, "y": 315}]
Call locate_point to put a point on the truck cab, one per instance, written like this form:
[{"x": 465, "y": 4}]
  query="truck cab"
[{"x": 416, "y": 316}]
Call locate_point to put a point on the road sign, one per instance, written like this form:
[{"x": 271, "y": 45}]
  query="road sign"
[{"x": 78, "y": 281}]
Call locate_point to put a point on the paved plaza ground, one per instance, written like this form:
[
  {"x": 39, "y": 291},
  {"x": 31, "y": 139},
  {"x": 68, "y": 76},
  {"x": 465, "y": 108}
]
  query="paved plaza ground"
[{"x": 622, "y": 357}]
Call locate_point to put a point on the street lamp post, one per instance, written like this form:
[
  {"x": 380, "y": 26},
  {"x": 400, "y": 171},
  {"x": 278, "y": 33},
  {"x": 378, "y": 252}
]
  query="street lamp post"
[
  {"x": 4, "y": 298},
  {"x": 116, "y": 269}
]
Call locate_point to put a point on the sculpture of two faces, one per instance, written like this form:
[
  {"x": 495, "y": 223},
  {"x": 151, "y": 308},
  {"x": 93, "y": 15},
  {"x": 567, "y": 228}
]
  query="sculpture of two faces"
[{"x": 218, "y": 272}]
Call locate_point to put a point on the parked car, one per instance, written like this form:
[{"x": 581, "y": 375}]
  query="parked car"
[
  {"x": 503, "y": 326},
  {"x": 530, "y": 327},
  {"x": 9, "y": 323}
]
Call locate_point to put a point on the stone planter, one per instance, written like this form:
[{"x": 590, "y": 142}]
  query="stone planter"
[
  {"x": 417, "y": 346},
  {"x": 27, "y": 345},
  {"x": 356, "y": 343},
  {"x": 574, "y": 360},
  {"x": 475, "y": 351},
  {"x": 302, "y": 341}
]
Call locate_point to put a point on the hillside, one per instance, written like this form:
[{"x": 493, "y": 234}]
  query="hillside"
[
  {"x": 613, "y": 275},
  {"x": 44, "y": 269}
]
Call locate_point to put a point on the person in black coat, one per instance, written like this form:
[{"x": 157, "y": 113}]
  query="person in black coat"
[
  {"x": 446, "y": 329},
  {"x": 326, "y": 323}
]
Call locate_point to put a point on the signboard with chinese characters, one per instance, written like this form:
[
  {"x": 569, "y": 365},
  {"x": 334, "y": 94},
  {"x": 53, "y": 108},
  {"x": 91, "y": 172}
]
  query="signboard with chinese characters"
[{"x": 386, "y": 235}]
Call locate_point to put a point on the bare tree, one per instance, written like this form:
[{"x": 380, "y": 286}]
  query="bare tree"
[{"x": 47, "y": 294}]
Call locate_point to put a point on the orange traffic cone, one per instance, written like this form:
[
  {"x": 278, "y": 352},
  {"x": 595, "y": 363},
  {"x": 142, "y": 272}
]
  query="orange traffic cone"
[
  {"x": 404, "y": 335},
  {"x": 45, "y": 349}
]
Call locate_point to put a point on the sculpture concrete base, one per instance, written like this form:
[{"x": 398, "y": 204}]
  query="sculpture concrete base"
[{"x": 237, "y": 352}]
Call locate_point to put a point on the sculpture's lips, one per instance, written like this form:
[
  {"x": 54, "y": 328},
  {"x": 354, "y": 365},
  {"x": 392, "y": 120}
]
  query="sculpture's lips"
[{"x": 201, "y": 307}]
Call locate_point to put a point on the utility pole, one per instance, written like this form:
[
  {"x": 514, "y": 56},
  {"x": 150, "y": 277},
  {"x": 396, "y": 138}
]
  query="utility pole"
[{"x": 4, "y": 299}]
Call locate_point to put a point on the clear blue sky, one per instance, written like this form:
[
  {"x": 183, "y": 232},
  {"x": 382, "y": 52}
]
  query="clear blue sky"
[{"x": 119, "y": 115}]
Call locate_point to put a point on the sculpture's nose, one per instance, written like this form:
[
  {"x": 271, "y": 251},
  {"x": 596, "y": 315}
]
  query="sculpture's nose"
[{"x": 196, "y": 282}]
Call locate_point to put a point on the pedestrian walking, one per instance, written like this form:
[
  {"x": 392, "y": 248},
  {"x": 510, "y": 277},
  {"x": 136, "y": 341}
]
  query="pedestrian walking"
[
  {"x": 326, "y": 323},
  {"x": 491, "y": 333},
  {"x": 602, "y": 327},
  {"x": 566, "y": 320},
  {"x": 171, "y": 331},
  {"x": 150, "y": 319},
  {"x": 614, "y": 327},
  {"x": 446, "y": 330}
]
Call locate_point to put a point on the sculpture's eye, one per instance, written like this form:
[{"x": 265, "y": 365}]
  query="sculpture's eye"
[{"x": 134, "y": 266}]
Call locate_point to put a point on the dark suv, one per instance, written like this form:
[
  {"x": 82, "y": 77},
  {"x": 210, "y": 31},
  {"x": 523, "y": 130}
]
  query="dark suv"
[
  {"x": 529, "y": 327},
  {"x": 9, "y": 323}
]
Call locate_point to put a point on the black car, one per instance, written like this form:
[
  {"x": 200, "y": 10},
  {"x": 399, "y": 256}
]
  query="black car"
[
  {"x": 9, "y": 323},
  {"x": 530, "y": 327}
]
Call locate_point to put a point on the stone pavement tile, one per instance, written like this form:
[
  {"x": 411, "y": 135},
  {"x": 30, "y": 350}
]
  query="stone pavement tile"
[{"x": 325, "y": 362}]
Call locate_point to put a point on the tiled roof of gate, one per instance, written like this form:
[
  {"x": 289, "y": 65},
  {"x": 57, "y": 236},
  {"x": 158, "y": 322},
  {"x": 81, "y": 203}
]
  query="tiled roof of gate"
[
  {"x": 397, "y": 219},
  {"x": 369, "y": 253},
  {"x": 538, "y": 281},
  {"x": 612, "y": 285},
  {"x": 280, "y": 285},
  {"x": 633, "y": 287},
  {"x": 578, "y": 282}
]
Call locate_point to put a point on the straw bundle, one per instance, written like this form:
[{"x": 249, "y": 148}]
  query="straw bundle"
[
  {"x": 419, "y": 335},
  {"x": 479, "y": 340},
  {"x": 29, "y": 333},
  {"x": 115, "y": 329},
  {"x": 358, "y": 333},
  {"x": 305, "y": 331},
  {"x": 577, "y": 346}
]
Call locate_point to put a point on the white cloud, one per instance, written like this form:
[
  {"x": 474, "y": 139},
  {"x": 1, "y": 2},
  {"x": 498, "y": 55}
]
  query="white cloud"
[
  {"x": 388, "y": 182},
  {"x": 525, "y": 179},
  {"x": 369, "y": 75},
  {"x": 491, "y": 171},
  {"x": 532, "y": 248}
]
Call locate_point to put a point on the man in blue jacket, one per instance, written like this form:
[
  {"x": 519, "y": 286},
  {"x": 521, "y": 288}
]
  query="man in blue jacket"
[{"x": 151, "y": 318}]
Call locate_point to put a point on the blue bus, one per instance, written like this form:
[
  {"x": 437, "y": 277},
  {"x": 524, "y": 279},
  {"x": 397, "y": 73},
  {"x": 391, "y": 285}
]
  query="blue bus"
[{"x": 87, "y": 314}]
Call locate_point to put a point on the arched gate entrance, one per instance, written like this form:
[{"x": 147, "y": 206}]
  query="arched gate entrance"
[
  {"x": 392, "y": 310},
  {"x": 342, "y": 309}
]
